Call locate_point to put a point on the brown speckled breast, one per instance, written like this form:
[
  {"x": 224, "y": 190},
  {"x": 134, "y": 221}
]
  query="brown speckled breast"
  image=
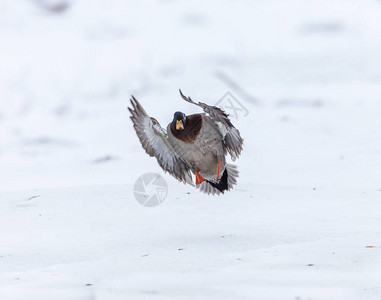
[{"x": 191, "y": 129}]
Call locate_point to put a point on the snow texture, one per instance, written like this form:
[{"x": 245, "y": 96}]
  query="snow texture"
[{"x": 303, "y": 223}]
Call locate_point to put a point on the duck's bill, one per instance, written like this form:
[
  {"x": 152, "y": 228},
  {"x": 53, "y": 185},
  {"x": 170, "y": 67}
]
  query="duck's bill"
[{"x": 179, "y": 125}]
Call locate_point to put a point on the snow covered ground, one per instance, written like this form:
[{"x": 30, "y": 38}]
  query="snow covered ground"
[{"x": 304, "y": 220}]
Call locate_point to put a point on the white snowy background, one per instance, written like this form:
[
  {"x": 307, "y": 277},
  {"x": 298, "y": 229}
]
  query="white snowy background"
[{"x": 304, "y": 221}]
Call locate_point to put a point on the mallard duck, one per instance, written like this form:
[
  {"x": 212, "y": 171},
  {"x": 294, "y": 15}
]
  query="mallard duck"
[{"x": 195, "y": 144}]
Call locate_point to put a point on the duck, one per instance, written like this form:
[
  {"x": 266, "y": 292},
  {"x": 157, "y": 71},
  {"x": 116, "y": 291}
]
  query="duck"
[{"x": 195, "y": 144}]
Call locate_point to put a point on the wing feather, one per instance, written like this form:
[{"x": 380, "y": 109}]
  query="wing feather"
[
  {"x": 232, "y": 138},
  {"x": 155, "y": 142}
]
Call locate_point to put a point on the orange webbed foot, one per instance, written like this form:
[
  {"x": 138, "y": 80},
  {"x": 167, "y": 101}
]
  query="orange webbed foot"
[
  {"x": 199, "y": 178},
  {"x": 219, "y": 170}
]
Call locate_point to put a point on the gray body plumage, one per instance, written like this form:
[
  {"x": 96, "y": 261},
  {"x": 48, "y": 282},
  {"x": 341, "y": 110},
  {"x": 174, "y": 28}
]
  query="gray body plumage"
[{"x": 205, "y": 152}]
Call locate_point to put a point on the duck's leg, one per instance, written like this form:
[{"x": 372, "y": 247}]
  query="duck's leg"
[
  {"x": 219, "y": 169},
  {"x": 199, "y": 178}
]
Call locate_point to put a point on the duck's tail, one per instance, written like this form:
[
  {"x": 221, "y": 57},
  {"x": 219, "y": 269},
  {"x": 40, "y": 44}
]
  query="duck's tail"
[{"x": 228, "y": 179}]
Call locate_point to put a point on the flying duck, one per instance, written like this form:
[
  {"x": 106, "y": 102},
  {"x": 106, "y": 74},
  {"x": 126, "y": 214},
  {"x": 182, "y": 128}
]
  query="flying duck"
[{"x": 195, "y": 144}]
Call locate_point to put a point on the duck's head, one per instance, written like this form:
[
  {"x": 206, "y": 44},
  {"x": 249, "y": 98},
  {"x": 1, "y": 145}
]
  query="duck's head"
[{"x": 179, "y": 120}]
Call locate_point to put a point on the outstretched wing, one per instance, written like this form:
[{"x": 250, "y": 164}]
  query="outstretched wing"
[
  {"x": 232, "y": 139},
  {"x": 154, "y": 141}
]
